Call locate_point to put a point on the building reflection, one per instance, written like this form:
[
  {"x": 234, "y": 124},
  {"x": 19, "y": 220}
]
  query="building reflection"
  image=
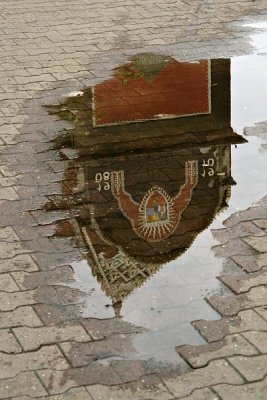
[{"x": 153, "y": 167}]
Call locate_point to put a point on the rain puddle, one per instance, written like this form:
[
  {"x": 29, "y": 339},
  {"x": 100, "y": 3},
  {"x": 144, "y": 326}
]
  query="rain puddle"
[{"x": 159, "y": 162}]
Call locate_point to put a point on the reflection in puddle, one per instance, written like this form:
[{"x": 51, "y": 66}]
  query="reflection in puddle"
[
  {"x": 152, "y": 172},
  {"x": 152, "y": 87}
]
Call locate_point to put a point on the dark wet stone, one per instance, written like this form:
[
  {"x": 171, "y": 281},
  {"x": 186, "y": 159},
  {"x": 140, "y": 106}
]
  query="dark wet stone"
[
  {"x": 51, "y": 260},
  {"x": 128, "y": 370},
  {"x": 227, "y": 305},
  {"x": 116, "y": 346},
  {"x": 214, "y": 331},
  {"x": 59, "y": 274},
  {"x": 98, "y": 328},
  {"x": 93, "y": 374},
  {"x": 251, "y": 263},
  {"x": 247, "y": 215},
  {"x": 237, "y": 231},
  {"x": 55, "y": 314},
  {"x": 232, "y": 248}
]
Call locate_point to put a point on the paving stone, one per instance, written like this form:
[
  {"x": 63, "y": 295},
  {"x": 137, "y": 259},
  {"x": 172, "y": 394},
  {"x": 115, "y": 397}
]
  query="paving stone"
[
  {"x": 129, "y": 370},
  {"x": 244, "y": 282},
  {"x": 59, "y": 381},
  {"x": 10, "y": 301},
  {"x": 8, "y": 343},
  {"x": 25, "y": 383},
  {"x": 155, "y": 392},
  {"x": 9, "y": 181},
  {"x": 240, "y": 230},
  {"x": 9, "y": 129},
  {"x": 262, "y": 311},
  {"x": 257, "y": 243},
  {"x": 252, "y": 213},
  {"x": 46, "y": 357},
  {"x": 33, "y": 338},
  {"x": 8, "y": 234},
  {"x": 216, "y": 372},
  {"x": 261, "y": 223},
  {"x": 8, "y": 193},
  {"x": 249, "y": 391},
  {"x": 9, "y": 250},
  {"x": 231, "y": 305},
  {"x": 199, "y": 356},
  {"x": 54, "y": 315},
  {"x": 253, "y": 368},
  {"x": 27, "y": 280},
  {"x": 232, "y": 248},
  {"x": 50, "y": 261},
  {"x": 58, "y": 295},
  {"x": 258, "y": 339},
  {"x": 251, "y": 263},
  {"x": 19, "y": 317},
  {"x": 216, "y": 330},
  {"x": 7, "y": 283}
]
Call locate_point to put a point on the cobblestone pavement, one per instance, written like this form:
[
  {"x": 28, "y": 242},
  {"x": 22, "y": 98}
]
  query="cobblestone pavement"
[{"x": 47, "y": 349}]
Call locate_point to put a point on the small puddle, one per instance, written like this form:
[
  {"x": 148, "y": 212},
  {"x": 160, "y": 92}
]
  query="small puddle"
[{"x": 159, "y": 163}]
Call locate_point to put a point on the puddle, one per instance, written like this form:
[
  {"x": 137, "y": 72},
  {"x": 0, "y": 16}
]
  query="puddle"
[
  {"x": 259, "y": 39},
  {"x": 158, "y": 163}
]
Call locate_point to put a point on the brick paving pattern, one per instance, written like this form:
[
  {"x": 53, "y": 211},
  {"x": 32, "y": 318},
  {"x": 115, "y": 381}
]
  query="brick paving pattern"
[{"x": 46, "y": 347}]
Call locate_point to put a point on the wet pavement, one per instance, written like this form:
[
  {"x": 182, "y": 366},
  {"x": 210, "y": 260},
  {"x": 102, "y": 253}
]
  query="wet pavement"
[{"x": 133, "y": 208}]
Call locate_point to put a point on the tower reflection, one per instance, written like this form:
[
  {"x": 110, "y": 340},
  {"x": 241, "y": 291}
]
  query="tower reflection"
[{"x": 153, "y": 167}]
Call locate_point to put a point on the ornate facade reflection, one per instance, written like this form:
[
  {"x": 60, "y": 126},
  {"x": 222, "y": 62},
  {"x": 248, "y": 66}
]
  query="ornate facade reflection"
[{"x": 154, "y": 165}]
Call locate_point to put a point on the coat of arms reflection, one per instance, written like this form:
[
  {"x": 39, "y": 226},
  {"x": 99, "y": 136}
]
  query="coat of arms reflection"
[{"x": 153, "y": 167}]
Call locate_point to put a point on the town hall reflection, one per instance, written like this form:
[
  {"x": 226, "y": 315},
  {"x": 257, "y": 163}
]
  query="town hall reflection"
[{"x": 153, "y": 167}]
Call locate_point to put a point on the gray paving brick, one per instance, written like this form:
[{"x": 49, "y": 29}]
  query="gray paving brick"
[
  {"x": 239, "y": 230},
  {"x": 25, "y": 383},
  {"x": 8, "y": 343},
  {"x": 36, "y": 78},
  {"x": 33, "y": 338},
  {"x": 251, "y": 263},
  {"x": 261, "y": 223},
  {"x": 9, "y": 249},
  {"x": 8, "y": 234},
  {"x": 257, "y": 243},
  {"x": 250, "y": 391},
  {"x": 7, "y": 283},
  {"x": 252, "y": 368},
  {"x": 231, "y": 305},
  {"x": 10, "y": 301},
  {"x": 46, "y": 357},
  {"x": 243, "y": 283},
  {"x": 258, "y": 339},
  {"x": 22, "y": 262},
  {"x": 262, "y": 311},
  {"x": 31, "y": 280},
  {"x": 245, "y": 320},
  {"x": 60, "y": 381},
  {"x": 21, "y": 316},
  {"x": 233, "y": 248},
  {"x": 199, "y": 356},
  {"x": 216, "y": 372}
]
